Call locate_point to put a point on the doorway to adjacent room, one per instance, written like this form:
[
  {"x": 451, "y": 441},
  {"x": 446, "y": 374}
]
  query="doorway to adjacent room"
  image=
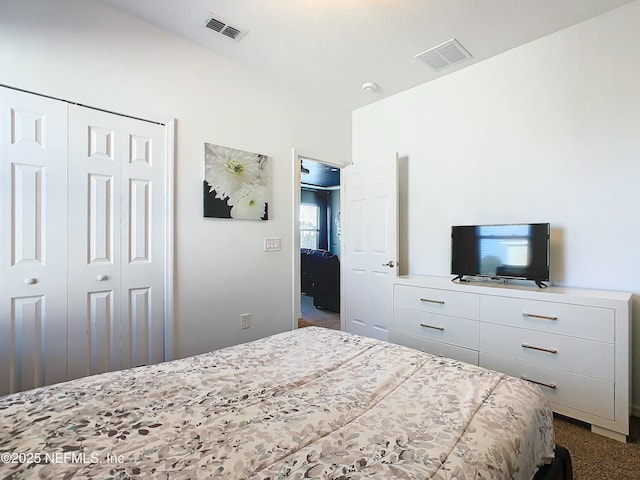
[{"x": 319, "y": 234}]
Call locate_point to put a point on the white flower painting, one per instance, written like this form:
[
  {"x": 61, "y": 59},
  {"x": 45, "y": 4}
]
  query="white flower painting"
[{"x": 235, "y": 183}]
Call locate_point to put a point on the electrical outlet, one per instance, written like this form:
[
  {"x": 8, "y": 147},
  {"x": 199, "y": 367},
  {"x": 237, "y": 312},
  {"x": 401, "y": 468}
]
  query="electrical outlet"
[{"x": 245, "y": 320}]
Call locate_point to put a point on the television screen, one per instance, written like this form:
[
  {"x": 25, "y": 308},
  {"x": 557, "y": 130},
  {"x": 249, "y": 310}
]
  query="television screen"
[{"x": 505, "y": 251}]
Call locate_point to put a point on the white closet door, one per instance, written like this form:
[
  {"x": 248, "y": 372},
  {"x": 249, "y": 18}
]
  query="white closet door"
[
  {"x": 116, "y": 242},
  {"x": 33, "y": 236},
  {"x": 94, "y": 196},
  {"x": 143, "y": 234}
]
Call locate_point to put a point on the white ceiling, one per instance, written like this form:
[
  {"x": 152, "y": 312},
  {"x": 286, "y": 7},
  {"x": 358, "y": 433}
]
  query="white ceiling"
[{"x": 329, "y": 48}]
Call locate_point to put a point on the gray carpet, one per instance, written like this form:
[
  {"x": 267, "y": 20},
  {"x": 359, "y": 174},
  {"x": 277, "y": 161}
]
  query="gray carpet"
[{"x": 596, "y": 457}]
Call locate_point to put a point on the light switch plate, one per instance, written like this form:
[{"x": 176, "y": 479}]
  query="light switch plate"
[{"x": 272, "y": 244}]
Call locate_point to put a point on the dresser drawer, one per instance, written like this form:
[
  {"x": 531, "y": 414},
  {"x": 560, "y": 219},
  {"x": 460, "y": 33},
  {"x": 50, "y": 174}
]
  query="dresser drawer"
[
  {"x": 577, "y": 355},
  {"x": 442, "y": 328},
  {"x": 586, "y": 394},
  {"x": 445, "y": 302},
  {"x": 440, "y": 349},
  {"x": 595, "y": 323}
]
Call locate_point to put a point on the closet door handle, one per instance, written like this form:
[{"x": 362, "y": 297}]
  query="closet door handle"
[
  {"x": 102, "y": 278},
  {"x": 542, "y": 349},
  {"x": 30, "y": 281}
]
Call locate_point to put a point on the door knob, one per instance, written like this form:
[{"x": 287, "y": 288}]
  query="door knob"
[
  {"x": 101, "y": 278},
  {"x": 390, "y": 264},
  {"x": 30, "y": 281}
]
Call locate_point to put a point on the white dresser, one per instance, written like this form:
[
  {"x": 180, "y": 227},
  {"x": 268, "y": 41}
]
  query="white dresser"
[{"x": 574, "y": 343}]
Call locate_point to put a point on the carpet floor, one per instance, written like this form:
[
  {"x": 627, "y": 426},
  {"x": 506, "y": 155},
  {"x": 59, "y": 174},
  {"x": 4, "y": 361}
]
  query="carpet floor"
[
  {"x": 595, "y": 457},
  {"x": 316, "y": 316}
]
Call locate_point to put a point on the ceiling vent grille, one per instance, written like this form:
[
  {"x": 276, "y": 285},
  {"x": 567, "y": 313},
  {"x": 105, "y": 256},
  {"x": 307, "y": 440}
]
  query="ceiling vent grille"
[
  {"x": 445, "y": 55},
  {"x": 220, "y": 26}
]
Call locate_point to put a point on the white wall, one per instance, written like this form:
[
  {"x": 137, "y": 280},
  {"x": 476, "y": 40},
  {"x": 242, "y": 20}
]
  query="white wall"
[
  {"x": 84, "y": 51},
  {"x": 548, "y": 132}
]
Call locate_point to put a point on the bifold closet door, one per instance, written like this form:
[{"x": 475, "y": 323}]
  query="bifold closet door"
[
  {"x": 82, "y": 249},
  {"x": 33, "y": 241},
  {"x": 116, "y": 242}
]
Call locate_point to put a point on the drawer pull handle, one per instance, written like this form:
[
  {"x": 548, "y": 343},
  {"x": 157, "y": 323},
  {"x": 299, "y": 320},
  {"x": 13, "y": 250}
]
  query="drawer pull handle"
[
  {"x": 542, "y": 349},
  {"x": 550, "y": 385},
  {"x": 533, "y": 315},
  {"x": 432, "y": 326},
  {"x": 428, "y": 300}
]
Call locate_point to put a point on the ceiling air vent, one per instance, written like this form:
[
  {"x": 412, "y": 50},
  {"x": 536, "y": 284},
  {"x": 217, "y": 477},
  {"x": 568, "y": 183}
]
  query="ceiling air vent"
[
  {"x": 218, "y": 25},
  {"x": 445, "y": 54}
]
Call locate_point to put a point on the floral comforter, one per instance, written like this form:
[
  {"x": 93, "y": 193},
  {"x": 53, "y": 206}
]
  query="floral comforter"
[{"x": 312, "y": 403}]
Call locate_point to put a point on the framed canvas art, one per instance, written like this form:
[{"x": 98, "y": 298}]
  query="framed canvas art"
[{"x": 235, "y": 184}]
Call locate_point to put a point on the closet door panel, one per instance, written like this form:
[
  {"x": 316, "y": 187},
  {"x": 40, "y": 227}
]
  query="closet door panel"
[
  {"x": 33, "y": 176},
  {"x": 103, "y": 334},
  {"x": 139, "y": 350},
  {"x": 94, "y": 197},
  {"x": 28, "y": 355},
  {"x": 143, "y": 221},
  {"x": 100, "y": 220}
]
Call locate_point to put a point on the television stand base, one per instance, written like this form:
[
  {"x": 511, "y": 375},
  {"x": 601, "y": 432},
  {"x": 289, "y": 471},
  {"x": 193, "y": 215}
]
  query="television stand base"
[{"x": 540, "y": 284}]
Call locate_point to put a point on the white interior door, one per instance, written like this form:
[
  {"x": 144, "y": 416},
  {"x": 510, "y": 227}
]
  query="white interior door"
[
  {"x": 33, "y": 236},
  {"x": 95, "y": 178},
  {"x": 142, "y": 263},
  {"x": 370, "y": 247},
  {"x": 85, "y": 210},
  {"x": 116, "y": 242}
]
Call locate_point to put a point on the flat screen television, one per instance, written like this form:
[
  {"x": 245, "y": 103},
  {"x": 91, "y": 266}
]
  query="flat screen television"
[{"x": 510, "y": 251}]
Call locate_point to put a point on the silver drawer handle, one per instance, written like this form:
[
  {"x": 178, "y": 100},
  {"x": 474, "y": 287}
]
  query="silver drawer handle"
[
  {"x": 542, "y": 349},
  {"x": 440, "y": 302},
  {"x": 432, "y": 326},
  {"x": 533, "y": 315},
  {"x": 30, "y": 281},
  {"x": 550, "y": 385}
]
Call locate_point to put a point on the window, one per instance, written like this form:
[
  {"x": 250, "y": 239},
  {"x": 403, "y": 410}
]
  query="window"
[{"x": 309, "y": 225}]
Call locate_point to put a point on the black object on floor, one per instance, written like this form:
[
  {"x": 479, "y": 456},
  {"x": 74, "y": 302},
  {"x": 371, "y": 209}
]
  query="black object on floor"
[{"x": 559, "y": 469}]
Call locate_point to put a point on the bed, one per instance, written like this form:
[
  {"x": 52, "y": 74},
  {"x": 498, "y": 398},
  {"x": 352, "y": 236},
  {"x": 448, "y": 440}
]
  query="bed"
[{"x": 311, "y": 403}]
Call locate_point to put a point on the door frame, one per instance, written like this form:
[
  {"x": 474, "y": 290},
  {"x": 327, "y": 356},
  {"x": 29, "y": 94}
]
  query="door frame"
[
  {"x": 169, "y": 240},
  {"x": 296, "y": 312}
]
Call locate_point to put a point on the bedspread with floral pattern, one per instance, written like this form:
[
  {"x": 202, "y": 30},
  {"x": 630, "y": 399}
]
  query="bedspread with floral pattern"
[{"x": 312, "y": 403}]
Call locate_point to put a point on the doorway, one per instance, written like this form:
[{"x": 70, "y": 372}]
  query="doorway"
[{"x": 317, "y": 291}]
